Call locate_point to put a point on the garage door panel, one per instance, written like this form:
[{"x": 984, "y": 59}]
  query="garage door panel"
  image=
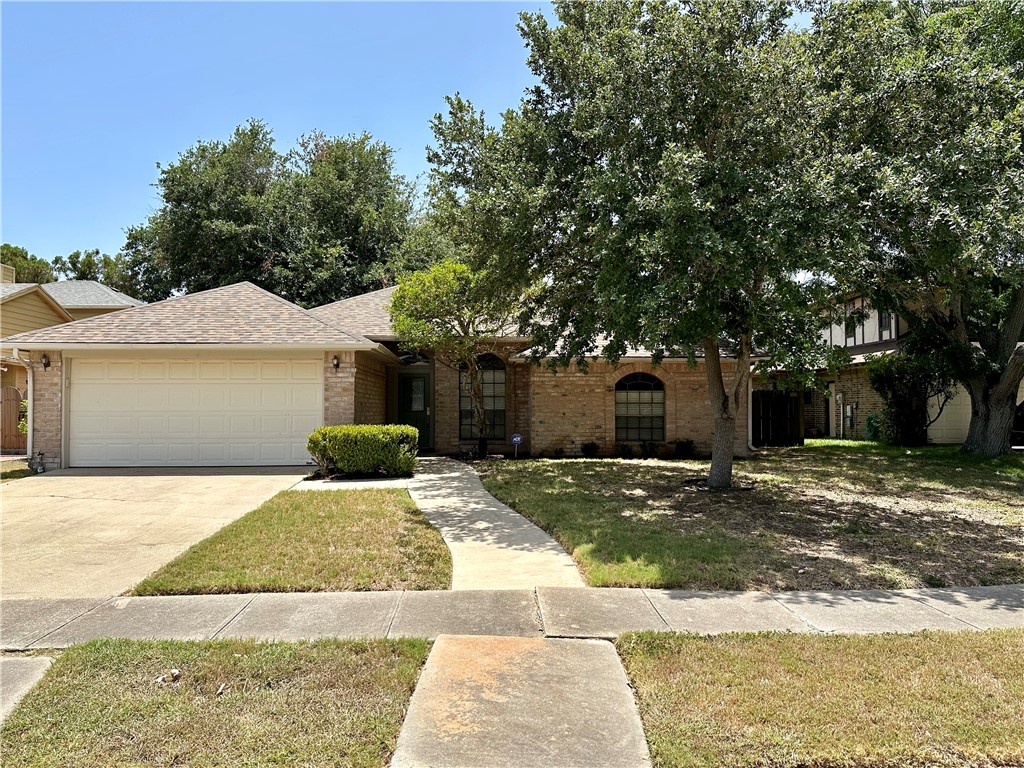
[{"x": 192, "y": 412}]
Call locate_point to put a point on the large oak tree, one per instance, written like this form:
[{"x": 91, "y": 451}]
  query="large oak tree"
[{"x": 655, "y": 190}]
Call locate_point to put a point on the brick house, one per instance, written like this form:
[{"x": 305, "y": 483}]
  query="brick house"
[{"x": 238, "y": 376}]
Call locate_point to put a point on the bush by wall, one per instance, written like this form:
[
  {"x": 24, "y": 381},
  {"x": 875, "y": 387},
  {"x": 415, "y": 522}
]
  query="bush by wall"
[{"x": 365, "y": 449}]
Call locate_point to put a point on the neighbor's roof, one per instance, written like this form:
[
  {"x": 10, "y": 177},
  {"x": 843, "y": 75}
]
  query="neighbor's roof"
[
  {"x": 88, "y": 294},
  {"x": 10, "y": 290},
  {"x": 240, "y": 314},
  {"x": 366, "y": 314}
]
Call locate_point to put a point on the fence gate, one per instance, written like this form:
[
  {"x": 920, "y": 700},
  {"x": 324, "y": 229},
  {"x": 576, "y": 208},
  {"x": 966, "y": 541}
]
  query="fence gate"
[{"x": 11, "y": 440}]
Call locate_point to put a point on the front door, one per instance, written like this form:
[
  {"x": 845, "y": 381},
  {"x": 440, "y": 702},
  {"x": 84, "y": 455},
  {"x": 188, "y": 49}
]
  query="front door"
[{"x": 414, "y": 403}]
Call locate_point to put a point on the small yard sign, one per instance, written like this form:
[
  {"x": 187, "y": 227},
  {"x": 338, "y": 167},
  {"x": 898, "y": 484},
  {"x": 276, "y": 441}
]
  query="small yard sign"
[{"x": 516, "y": 440}]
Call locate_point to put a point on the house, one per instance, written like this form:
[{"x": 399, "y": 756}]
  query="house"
[
  {"x": 239, "y": 376},
  {"x": 843, "y": 412}
]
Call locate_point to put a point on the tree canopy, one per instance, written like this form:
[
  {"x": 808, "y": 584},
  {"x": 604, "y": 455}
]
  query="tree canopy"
[
  {"x": 921, "y": 116},
  {"x": 28, "y": 268},
  {"x": 322, "y": 222},
  {"x": 656, "y": 189}
]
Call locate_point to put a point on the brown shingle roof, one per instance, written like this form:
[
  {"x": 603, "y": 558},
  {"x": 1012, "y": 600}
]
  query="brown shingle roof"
[
  {"x": 365, "y": 315},
  {"x": 235, "y": 314}
]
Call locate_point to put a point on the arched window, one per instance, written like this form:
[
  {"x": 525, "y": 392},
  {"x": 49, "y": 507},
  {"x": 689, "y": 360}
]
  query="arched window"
[
  {"x": 639, "y": 408},
  {"x": 492, "y": 370}
]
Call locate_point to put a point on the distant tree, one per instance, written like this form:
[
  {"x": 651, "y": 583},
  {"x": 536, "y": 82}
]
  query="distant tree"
[
  {"x": 27, "y": 267},
  {"x": 449, "y": 311},
  {"x": 116, "y": 272},
  {"x": 654, "y": 190},
  {"x": 323, "y": 222},
  {"x": 920, "y": 112},
  {"x": 915, "y": 390}
]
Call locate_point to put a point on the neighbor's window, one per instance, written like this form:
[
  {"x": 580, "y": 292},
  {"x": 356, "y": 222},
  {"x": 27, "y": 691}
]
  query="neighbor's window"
[
  {"x": 885, "y": 322},
  {"x": 639, "y": 408},
  {"x": 493, "y": 373},
  {"x": 851, "y": 324}
]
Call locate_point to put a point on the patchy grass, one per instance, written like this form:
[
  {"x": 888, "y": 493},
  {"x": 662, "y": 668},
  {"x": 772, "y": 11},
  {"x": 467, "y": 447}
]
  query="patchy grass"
[
  {"x": 326, "y": 703},
  {"x": 14, "y": 470},
  {"x": 930, "y": 699},
  {"x": 311, "y": 541},
  {"x": 825, "y": 516}
]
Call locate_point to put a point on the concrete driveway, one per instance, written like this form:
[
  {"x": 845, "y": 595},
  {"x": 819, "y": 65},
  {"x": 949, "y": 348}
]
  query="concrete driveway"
[{"x": 98, "y": 532}]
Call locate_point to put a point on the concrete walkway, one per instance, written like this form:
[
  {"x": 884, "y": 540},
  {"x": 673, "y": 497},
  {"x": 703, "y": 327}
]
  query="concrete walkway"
[
  {"x": 492, "y": 546},
  {"x": 17, "y": 676},
  {"x": 544, "y": 612}
]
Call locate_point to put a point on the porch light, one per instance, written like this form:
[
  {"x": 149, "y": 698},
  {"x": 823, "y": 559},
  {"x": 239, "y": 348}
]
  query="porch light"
[
  {"x": 335, "y": 361},
  {"x": 45, "y": 359}
]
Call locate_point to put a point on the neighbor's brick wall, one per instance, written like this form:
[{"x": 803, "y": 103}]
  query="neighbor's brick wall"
[
  {"x": 371, "y": 379},
  {"x": 815, "y": 413},
  {"x": 339, "y": 388},
  {"x": 47, "y": 418},
  {"x": 852, "y": 384},
  {"x": 570, "y": 407}
]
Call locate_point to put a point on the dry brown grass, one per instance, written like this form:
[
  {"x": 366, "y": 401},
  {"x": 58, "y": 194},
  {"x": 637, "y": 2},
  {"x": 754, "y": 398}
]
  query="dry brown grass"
[{"x": 931, "y": 699}]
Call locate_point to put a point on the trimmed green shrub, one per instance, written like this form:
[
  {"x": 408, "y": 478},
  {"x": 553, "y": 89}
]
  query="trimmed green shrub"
[
  {"x": 365, "y": 449},
  {"x": 590, "y": 449}
]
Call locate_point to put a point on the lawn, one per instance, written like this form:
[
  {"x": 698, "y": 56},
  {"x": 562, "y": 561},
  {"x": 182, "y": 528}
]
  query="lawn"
[
  {"x": 310, "y": 541},
  {"x": 13, "y": 470},
  {"x": 930, "y": 699},
  {"x": 326, "y": 703},
  {"x": 829, "y": 515}
]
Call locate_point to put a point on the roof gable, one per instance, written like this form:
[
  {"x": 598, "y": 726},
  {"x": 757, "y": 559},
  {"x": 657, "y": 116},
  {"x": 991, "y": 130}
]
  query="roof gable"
[
  {"x": 88, "y": 294},
  {"x": 239, "y": 314},
  {"x": 26, "y": 307}
]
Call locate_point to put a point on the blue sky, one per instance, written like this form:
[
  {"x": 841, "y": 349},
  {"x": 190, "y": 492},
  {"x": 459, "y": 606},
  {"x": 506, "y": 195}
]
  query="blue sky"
[{"x": 95, "y": 94}]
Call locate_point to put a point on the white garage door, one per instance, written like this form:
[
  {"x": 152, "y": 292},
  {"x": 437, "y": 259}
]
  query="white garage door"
[{"x": 192, "y": 412}]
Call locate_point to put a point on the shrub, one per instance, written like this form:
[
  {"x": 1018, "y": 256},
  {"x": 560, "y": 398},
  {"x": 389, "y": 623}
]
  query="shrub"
[
  {"x": 590, "y": 449},
  {"x": 23, "y": 417},
  {"x": 365, "y": 449},
  {"x": 873, "y": 426},
  {"x": 624, "y": 450},
  {"x": 649, "y": 449}
]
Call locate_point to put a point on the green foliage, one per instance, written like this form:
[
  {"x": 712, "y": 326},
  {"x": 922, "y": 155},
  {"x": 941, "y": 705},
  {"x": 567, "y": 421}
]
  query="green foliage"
[
  {"x": 27, "y": 267},
  {"x": 365, "y": 449},
  {"x": 23, "y": 417},
  {"x": 117, "y": 272},
  {"x": 325, "y": 221},
  {"x": 590, "y": 449},
  {"x": 685, "y": 449},
  {"x": 920, "y": 111},
  {"x": 906, "y": 384},
  {"x": 656, "y": 189},
  {"x": 873, "y": 427}
]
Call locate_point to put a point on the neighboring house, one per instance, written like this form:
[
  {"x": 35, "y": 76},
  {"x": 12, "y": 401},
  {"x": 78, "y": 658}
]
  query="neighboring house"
[
  {"x": 843, "y": 413},
  {"x": 7, "y": 274},
  {"x": 239, "y": 376},
  {"x": 87, "y": 298},
  {"x": 24, "y": 307}
]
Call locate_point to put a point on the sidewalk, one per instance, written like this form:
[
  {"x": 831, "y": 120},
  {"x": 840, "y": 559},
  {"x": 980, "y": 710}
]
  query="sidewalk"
[{"x": 544, "y": 612}]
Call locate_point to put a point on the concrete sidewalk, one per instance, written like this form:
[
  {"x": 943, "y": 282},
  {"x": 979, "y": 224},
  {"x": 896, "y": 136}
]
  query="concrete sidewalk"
[
  {"x": 492, "y": 546},
  {"x": 544, "y": 612}
]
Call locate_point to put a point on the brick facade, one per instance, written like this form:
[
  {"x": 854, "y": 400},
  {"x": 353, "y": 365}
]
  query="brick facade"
[
  {"x": 340, "y": 388},
  {"x": 852, "y": 389},
  {"x": 371, "y": 378},
  {"x": 47, "y": 407}
]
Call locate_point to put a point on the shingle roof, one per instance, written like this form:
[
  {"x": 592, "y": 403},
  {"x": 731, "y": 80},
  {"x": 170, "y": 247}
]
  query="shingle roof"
[
  {"x": 79, "y": 294},
  {"x": 7, "y": 290},
  {"x": 366, "y": 314},
  {"x": 235, "y": 314}
]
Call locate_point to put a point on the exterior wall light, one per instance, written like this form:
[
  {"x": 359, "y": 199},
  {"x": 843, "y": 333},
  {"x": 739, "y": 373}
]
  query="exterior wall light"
[
  {"x": 335, "y": 361},
  {"x": 45, "y": 360}
]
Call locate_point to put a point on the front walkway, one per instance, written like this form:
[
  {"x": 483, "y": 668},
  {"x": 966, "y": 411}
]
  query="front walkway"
[{"x": 492, "y": 546}]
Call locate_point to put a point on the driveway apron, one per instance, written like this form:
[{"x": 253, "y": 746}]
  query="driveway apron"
[{"x": 96, "y": 533}]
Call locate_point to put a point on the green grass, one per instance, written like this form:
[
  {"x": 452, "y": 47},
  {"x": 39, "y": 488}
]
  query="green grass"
[
  {"x": 309, "y": 541},
  {"x": 831, "y": 515},
  {"x": 772, "y": 700},
  {"x": 14, "y": 470},
  {"x": 328, "y": 703}
]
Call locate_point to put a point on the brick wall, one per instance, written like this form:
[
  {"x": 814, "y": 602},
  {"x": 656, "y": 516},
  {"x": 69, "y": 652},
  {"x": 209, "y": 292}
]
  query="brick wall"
[
  {"x": 852, "y": 388},
  {"x": 370, "y": 406},
  {"x": 339, "y": 388},
  {"x": 570, "y": 407},
  {"x": 47, "y": 407}
]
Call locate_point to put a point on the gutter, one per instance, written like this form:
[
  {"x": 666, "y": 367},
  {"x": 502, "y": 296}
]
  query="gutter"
[{"x": 157, "y": 346}]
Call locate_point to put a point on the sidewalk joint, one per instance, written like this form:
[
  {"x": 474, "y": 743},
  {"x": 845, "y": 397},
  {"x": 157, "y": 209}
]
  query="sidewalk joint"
[{"x": 238, "y": 613}]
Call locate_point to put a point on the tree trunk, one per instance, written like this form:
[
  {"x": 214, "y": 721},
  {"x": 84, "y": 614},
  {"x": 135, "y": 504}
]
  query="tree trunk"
[
  {"x": 476, "y": 382},
  {"x": 725, "y": 407},
  {"x": 991, "y": 420}
]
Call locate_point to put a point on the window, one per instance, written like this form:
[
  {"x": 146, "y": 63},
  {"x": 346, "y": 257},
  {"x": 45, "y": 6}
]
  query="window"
[
  {"x": 851, "y": 324},
  {"x": 884, "y": 322},
  {"x": 492, "y": 371},
  {"x": 639, "y": 408}
]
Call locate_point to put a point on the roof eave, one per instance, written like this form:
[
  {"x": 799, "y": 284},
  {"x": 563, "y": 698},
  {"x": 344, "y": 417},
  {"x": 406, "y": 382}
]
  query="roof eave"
[{"x": 56, "y": 345}]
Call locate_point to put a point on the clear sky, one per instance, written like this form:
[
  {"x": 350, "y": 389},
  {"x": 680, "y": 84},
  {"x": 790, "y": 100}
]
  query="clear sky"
[{"x": 95, "y": 94}]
